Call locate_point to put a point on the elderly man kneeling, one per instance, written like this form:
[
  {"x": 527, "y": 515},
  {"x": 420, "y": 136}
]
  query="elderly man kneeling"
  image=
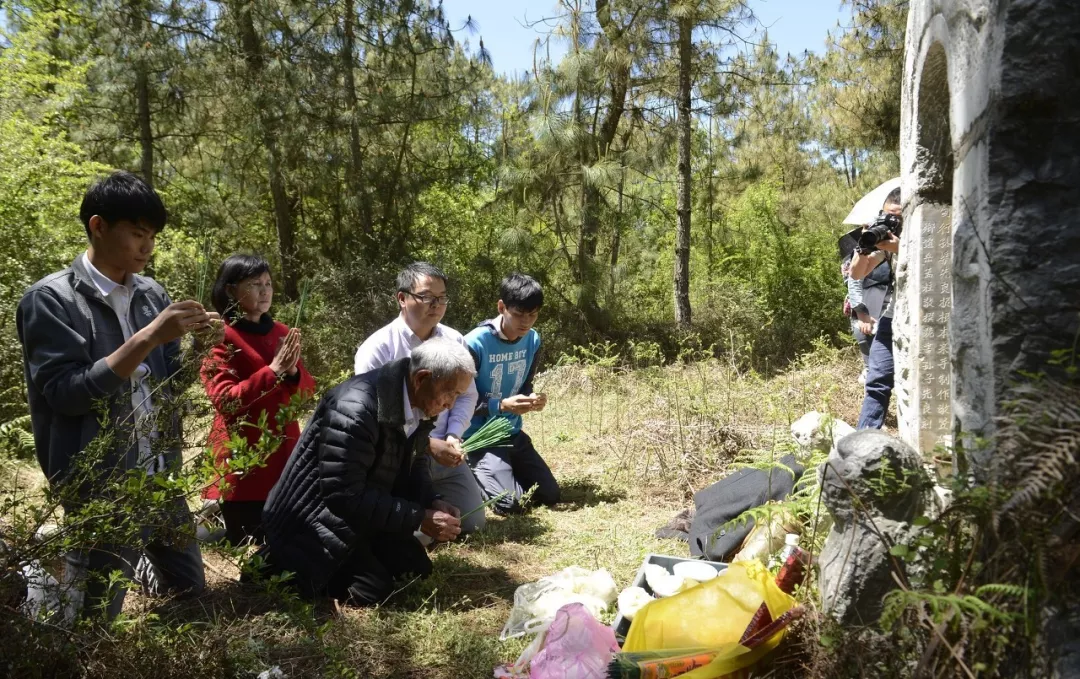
[{"x": 342, "y": 516}]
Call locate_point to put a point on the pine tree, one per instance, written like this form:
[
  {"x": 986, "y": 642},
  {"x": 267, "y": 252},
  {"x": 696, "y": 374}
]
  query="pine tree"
[{"x": 718, "y": 24}]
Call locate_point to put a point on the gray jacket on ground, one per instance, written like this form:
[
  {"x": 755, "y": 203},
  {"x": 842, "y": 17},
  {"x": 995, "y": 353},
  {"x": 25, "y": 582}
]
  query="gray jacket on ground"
[{"x": 67, "y": 329}]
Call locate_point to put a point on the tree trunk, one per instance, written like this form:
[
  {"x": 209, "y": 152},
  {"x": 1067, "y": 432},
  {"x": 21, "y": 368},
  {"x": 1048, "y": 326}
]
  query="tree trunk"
[
  {"x": 282, "y": 215},
  {"x": 710, "y": 254},
  {"x": 355, "y": 169},
  {"x": 146, "y": 133},
  {"x": 620, "y": 217},
  {"x": 682, "y": 204},
  {"x": 253, "y": 57},
  {"x": 616, "y": 243},
  {"x": 597, "y": 150},
  {"x": 394, "y": 228},
  {"x": 54, "y": 53},
  {"x": 586, "y": 252},
  {"x": 137, "y": 35}
]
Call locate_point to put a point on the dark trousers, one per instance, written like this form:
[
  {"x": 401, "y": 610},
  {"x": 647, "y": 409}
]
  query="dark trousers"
[
  {"x": 515, "y": 468},
  {"x": 161, "y": 566},
  {"x": 367, "y": 576},
  {"x": 243, "y": 520},
  {"x": 879, "y": 378}
]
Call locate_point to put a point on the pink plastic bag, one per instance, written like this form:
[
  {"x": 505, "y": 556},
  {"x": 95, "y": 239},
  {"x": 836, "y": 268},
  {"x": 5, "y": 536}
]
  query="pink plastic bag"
[{"x": 576, "y": 646}]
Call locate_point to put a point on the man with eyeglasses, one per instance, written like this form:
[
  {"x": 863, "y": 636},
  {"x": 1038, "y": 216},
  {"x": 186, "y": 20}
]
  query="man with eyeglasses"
[{"x": 422, "y": 300}]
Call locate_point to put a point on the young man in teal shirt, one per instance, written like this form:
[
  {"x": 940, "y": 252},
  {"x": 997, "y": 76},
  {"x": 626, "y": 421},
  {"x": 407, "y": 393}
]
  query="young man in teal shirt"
[{"x": 505, "y": 350}]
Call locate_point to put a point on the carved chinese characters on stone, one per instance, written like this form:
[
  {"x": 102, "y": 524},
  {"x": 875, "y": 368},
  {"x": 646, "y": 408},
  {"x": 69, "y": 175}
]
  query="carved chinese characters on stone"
[
  {"x": 921, "y": 328},
  {"x": 932, "y": 317}
]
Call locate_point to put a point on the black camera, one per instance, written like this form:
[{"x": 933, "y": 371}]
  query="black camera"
[{"x": 884, "y": 224}]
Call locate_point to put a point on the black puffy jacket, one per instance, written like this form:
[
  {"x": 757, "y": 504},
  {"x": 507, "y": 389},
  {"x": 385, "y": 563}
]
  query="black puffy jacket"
[{"x": 353, "y": 473}]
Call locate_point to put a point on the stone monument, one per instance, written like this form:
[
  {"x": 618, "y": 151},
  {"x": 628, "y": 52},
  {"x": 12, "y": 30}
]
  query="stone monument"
[
  {"x": 988, "y": 277},
  {"x": 989, "y": 270}
]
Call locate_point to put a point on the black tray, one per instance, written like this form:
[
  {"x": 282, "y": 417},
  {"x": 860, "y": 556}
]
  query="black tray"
[{"x": 622, "y": 625}]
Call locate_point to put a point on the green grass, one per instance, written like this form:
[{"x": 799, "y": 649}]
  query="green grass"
[{"x": 629, "y": 449}]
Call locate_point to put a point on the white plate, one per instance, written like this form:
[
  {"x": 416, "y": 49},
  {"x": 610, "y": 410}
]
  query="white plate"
[{"x": 694, "y": 570}]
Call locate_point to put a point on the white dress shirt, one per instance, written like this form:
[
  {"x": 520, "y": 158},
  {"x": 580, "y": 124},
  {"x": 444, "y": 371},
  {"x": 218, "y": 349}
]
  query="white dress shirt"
[
  {"x": 119, "y": 298},
  {"x": 412, "y": 415},
  {"x": 397, "y": 340}
]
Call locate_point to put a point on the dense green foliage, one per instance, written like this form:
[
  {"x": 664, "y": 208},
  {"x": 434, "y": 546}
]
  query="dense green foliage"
[
  {"x": 42, "y": 178},
  {"x": 343, "y": 139}
]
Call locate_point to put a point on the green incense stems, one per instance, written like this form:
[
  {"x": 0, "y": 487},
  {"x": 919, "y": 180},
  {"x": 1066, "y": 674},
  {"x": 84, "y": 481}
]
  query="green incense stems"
[
  {"x": 303, "y": 299},
  {"x": 485, "y": 505},
  {"x": 495, "y": 431}
]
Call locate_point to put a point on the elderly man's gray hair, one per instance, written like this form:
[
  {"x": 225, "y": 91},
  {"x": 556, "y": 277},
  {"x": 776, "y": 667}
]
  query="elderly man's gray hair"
[{"x": 444, "y": 357}]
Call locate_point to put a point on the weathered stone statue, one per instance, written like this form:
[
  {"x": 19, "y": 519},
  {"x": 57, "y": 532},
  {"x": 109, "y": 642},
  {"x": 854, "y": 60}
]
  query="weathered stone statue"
[{"x": 874, "y": 486}]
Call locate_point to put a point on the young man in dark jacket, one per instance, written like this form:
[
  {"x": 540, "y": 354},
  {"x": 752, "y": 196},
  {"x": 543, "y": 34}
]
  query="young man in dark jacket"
[
  {"x": 342, "y": 516},
  {"x": 95, "y": 337}
]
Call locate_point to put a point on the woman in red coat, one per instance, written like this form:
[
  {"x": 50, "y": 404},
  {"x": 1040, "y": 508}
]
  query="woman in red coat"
[{"x": 256, "y": 370}]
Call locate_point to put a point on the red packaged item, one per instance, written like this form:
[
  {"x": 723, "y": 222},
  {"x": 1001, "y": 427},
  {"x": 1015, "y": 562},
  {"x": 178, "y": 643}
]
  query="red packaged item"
[
  {"x": 793, "y": 563},
  {"x": 793, "y": 560}
]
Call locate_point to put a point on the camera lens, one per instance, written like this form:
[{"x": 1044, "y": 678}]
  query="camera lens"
[{"x": 869, "y": 239}]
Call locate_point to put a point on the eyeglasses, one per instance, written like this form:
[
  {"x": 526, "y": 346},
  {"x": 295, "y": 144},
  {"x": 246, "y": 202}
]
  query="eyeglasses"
[{"x": 430, "y": 300}]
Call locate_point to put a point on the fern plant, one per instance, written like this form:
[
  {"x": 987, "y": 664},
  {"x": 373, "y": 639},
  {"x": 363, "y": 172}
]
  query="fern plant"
[
  {"x": 983, "y": 571},
  {"x": 959, "y": 610},
  {"x": 17, "y": 436},
  {"x": 1038, "y": 442}
]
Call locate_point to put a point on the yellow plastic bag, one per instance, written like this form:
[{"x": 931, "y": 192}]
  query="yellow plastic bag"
[{"x": 714, "y": 614}]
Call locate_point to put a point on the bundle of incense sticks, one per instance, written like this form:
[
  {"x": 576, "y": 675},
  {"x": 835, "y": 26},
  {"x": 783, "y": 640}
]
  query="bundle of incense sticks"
[
  {"x": 303, "y": 300},
  {"x": 492, "y": 433},
  {"x": 659, "y": 664}
]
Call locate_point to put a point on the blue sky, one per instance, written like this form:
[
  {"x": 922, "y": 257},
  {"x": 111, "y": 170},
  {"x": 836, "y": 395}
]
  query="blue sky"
[{"x": 793, "y": 25}]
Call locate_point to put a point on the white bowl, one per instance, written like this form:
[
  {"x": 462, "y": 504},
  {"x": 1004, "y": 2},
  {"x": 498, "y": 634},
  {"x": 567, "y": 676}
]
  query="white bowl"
[{"x": 694, "y": 570}]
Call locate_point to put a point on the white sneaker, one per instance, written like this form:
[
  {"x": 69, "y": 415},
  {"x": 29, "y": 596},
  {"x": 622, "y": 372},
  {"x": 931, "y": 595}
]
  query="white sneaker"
[{"x": 862, "y": 376}]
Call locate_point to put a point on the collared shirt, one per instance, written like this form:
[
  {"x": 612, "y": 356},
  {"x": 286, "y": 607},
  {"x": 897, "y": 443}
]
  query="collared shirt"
[
  {"x": 412, "y": 415},
  {"x": 118, "y": 296},
  {"x": 397, "y": 340},
  {"x": 498, "y": 328}
]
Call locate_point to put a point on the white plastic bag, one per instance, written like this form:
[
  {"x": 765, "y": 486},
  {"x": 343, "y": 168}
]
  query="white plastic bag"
[
  {"x": 817, "y": 431},
  {"x": 631, "y": 600},
  {"x": 520, "y": 668},
  {"x": 536, "y": 603}
]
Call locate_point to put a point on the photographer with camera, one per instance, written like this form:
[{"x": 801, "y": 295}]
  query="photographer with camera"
[{"x": 871, "y": 279}]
